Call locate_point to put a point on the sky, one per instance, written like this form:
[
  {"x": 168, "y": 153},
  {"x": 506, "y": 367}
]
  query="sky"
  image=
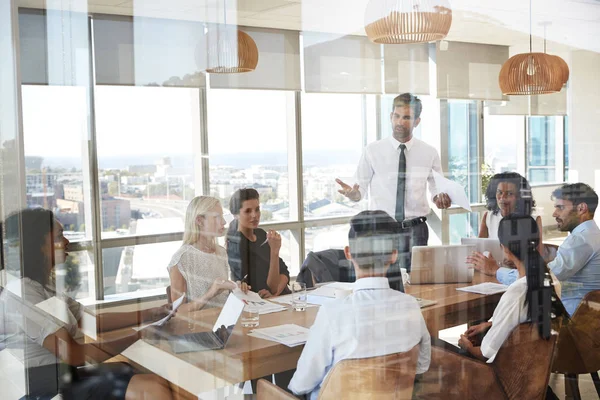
[{"x": 148, "y": 120}]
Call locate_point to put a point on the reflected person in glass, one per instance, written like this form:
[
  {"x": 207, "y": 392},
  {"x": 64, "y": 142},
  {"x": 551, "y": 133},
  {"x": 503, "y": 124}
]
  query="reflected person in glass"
[
  {"x": 200, "y": 268},
  {"x": 253, "y": 253},
  {"x": 519, "y": 238},
  {"x": 50, "y": 344},
  {"x": 507, "y": 193}
]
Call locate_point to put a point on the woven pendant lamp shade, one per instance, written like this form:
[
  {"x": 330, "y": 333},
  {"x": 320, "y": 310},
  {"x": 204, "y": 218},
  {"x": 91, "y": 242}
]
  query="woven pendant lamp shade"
[
  {"x": 531, "y": 73},
  {"x": 231, "y": 51},
  {"x": 564, "y": 67},
  {"x": 407, "y": 21}
]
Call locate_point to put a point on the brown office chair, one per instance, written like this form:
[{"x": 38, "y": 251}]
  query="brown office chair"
[
  {"x": 578, "y": 346},
  {"x": 520, "y": 370},
  {"x": 384, "y": 377},
  {"x": 267, "y": 391}
]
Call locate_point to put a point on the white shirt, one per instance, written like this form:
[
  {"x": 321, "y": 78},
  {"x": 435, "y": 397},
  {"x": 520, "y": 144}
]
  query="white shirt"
[
  {"x": 25, "y": 326},
  {"x": 373, "y": 321},
  {"x": 200, "y": 270},
  {"x": 378, "y": 171},
  {"x": 509, "y": 313}
]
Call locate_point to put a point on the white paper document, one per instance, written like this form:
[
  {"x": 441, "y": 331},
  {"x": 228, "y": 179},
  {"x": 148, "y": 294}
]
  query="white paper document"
[
  {"x": 253, "y": 299},
  {"x": 453, "y": 189},
  {"x": 290, "y": 335},
  {"x": 485, "y": 288},
  {"x": 163, "y": 321},
  {"x": 329, "y": 289}
]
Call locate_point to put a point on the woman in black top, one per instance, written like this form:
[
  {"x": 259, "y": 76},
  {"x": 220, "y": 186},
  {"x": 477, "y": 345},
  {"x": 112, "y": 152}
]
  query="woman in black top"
[{"x": 253, "y": 253}]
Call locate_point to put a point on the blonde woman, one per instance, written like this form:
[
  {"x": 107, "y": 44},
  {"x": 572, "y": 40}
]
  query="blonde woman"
[{"x": 200, "y": 268}]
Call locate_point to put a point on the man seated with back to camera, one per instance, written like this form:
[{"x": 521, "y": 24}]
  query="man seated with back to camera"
[{"x": 374, "y": 320}]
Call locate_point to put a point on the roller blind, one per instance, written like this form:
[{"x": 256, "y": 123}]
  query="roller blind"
[
  {"x": 148, "y": 51},
  {"x": 347, "y": 64},
  {"x": 54, "y": 47},
  {"x": 406, "y": 68},
  {"x": 469, "y": 71},
  {"x": 278, "y": 62},
  {"x": 542, "y": 105}
]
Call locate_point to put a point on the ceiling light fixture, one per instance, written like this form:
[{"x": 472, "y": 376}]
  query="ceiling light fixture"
[
  {"x": 407, "y": 21},
  {"x": 532, "y": 73},
  {"x": 230, "y": 50}
]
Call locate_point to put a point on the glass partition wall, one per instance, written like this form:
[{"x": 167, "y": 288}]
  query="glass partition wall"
[{"x": 110, "y": 120}]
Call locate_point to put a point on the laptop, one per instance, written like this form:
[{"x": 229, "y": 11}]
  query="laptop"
[
  {"x": 441, "y": 264},
  {"x": 217, "y": 339},
  {"x": 492, "y": 246}
]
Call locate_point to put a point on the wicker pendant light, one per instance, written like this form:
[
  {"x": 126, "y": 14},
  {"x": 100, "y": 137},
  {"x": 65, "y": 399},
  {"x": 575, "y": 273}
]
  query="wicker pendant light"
[
  {"x": 532, "y": 73},
  {"x": 564, "y": 67},
  {"x": 230, "y": 50},
  {"x": 407, "y": 21}
]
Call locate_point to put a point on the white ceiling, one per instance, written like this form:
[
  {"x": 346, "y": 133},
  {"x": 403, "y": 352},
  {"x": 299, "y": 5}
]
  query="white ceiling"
[{"x": 572, "y": 23}]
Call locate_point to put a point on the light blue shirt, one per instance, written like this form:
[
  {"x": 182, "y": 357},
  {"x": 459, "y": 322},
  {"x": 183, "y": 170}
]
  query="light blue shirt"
[
  {"x": 373, "y": 321},
  {"x": 577, "y": 265}
]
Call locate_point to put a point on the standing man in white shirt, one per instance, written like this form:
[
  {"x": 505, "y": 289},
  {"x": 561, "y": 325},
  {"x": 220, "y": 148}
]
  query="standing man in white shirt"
[
  {"x": 396, "y": 171},
  {"x": 374, "y": 320}
]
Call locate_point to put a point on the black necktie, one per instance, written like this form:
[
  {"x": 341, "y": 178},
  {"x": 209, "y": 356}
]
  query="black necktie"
[{"x": 401, "y": 188}]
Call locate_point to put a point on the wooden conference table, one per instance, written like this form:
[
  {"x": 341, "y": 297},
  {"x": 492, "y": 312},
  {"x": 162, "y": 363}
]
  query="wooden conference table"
[{"x": 247, "y": 357}]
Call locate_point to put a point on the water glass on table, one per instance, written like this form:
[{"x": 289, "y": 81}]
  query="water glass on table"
[
  {"x": 250, "y": 316},
  {"x": 299, "y": 296}
]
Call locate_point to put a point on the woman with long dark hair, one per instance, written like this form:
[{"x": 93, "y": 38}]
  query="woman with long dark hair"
[
  {"x": 52, "y": 354},
  {"x": 524, "y": 299},
  {"x": 507, "y": 193},
  {"x": 253, "y": 253}
]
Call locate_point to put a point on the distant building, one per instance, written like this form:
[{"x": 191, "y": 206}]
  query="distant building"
[
  {"x": 116, "y": 213},
  {"x": 41, "y": 199},
  {"x": 142, "y": 169},
  {"x": 35, "y": 182}
]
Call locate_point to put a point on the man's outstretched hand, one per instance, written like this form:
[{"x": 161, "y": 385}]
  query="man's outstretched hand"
[{"x": 350, "y": 192}]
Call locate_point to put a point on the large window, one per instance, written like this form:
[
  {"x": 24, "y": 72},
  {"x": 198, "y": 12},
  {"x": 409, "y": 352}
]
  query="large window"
[
  {"x": 333, "y": 133},
  {"x": 544, "y": 149},
  {"x": 463, "y": 134},
  {"x": 248, "y": 140},
  {"x": 146, "y": 184},
  {"x": 56, "y": 162},
  {"x": 503, "y": 141}
]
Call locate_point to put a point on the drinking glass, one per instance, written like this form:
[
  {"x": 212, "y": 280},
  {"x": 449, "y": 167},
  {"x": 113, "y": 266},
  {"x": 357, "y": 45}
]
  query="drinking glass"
[
  {"x": 250, "y": 318},
  {"x": 299, "y": 296}
]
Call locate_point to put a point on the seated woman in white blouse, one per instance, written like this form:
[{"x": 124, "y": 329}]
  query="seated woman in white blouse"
[
  {"x": 504, "y": 196},
  {"x": 519, "y": 238},
  {"x": 200, "y": 268}
]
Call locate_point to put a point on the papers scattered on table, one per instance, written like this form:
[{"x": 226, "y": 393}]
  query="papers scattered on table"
[
  {"x": 485, "y": 288},
  {"x": 453, "y": 189},
  {"x": 163, "y": 321},
  {"x": 328, "y": 290},
  {"x": 424, "y": 302},
  {"x": 290, "y": 335},
  {"x": 253, "y": 299},
  {"x": 287, "y": 299}
]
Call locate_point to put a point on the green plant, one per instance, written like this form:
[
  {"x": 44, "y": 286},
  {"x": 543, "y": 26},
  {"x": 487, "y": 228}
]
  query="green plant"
[{"x": 486, "y": 176}]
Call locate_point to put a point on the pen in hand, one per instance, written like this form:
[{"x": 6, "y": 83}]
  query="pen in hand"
[{"x": 265, "y": 242}]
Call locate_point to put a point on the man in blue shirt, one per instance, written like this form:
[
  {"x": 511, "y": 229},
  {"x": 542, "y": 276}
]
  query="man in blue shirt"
[
  {"x": 372, "y": 321},
  {"x": 577, "y": 263}
]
